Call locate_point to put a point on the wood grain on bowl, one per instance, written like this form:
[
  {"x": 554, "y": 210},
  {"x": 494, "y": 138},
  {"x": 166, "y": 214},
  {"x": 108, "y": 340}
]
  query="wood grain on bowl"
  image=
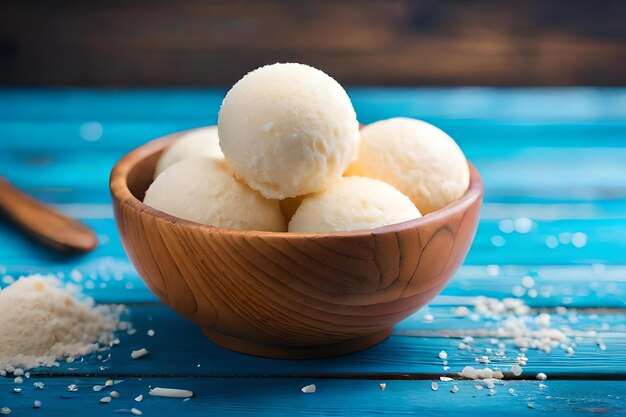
[{"x": 289, "y": 295}]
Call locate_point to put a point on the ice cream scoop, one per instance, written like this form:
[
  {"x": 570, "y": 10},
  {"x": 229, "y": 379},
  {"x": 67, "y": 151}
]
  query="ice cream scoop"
[
  {"x": 193, "y": 144},
  {"x": 417, "y": 158},
  {"x": 288, "y": 130},
  {"x": 204, "y": 191},
  {"x": 352, "y": 203}
]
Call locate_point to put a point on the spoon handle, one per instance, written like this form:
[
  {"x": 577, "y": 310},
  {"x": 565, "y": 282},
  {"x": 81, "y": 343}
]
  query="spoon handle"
[{"x": 43, "y": 223}]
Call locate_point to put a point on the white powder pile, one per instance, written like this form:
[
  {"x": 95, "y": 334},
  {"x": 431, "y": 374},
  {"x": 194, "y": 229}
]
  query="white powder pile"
[{"x": 43, "y": 322}]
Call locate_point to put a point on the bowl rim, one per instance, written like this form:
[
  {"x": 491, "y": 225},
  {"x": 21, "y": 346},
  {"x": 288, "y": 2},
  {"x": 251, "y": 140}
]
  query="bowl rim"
[{"x": 123, "y": 196}]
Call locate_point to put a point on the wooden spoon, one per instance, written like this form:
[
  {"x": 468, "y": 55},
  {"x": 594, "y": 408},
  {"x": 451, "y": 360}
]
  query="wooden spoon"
[{"x": 43, "y": 223}]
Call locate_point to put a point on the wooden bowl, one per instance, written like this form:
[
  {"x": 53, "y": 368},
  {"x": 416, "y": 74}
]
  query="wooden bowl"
[{"x": 289, "y": 295}]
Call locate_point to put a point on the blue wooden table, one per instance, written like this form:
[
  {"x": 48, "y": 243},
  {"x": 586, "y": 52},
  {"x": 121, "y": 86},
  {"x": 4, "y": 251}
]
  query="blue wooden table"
[{"x": 554, "y": 166}]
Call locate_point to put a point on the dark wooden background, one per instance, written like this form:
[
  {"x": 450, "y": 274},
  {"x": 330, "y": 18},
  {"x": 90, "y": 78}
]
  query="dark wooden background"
[{"x": 393, "y": 42}]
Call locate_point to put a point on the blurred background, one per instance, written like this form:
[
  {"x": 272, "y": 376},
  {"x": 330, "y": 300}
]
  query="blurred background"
[{"x": 359, "y": 42}]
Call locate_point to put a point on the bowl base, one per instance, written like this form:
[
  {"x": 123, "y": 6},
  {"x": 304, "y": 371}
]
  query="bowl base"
[{"x": 296, "y": 352}]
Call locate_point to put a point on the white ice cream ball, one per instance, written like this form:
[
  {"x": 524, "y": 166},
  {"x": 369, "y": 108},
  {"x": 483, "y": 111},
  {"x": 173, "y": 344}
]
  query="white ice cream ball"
[
  {"x": 417, "y": 158},
  {"x": 353, "y": 203},
  {"x": 196, "y": 143},
  {"x": 288, "y": 130},
  {"x": 204, "y": 191}
]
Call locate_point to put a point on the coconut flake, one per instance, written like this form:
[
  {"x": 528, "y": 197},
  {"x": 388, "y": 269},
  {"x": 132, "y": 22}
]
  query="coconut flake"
[
  {"x": 173, "y": 392},
  {"x": 139, "y": 353},
  {"x": 309, "y": 389}
]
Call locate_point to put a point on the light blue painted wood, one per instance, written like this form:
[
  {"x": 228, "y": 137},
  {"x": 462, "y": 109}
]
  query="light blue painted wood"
[
  {"x": 178, "y": 347},
  {"x": 589, "y": 276},
  {"x": 554, "y": 155},
  {"x": 533, "y": 248},
  {"x": 48, "y": 134},
  {"x": 333, "y": 397},
  {"x": 521, "y": 104},
  {"x": 534, "y": 173}
]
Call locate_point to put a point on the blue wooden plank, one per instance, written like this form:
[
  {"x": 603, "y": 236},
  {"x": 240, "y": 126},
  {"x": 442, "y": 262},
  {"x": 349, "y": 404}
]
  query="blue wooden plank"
[
  {"x": 558, "y": 242},
  {"x": 111, "y": 280},
  {"x": 333, "y": 397},
  {"x": 536, "y": 150},
  {"x": 413, "y": 349},
  {"x": 470, "y": 134},
  {"x": 589, "y": 276},
  {"x": 562, "y": 174},
  {"x": 526, "y": 104}
]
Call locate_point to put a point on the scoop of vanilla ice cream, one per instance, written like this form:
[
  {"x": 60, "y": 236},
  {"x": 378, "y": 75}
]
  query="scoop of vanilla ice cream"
[
  {"x": 417, "y": 158},
  {"x": 203, "y": 190},
  {"x": 352, "y": 203},
  {"x": 288, "y": 130},
  {"x": 196, "y": 143}
]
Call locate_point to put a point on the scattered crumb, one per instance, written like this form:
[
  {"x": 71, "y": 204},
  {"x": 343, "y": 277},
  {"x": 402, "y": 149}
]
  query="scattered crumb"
[
  {"x": 140, "y": 353},
  {"x": 181, "y": 393},
  {"x": 309, "y": 389},
  {"x": 461, "y": 311},
  {"x": 486, "y": 373}
]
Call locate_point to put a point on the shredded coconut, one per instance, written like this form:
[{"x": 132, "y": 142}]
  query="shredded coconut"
[
  {"x": 140, "y": 353},
  {"x": 486, "y": 373},
  {"x": 43, "y": 322},
  {"x": 183, "y": 393},
  {"x": 309, "y": 389}
]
